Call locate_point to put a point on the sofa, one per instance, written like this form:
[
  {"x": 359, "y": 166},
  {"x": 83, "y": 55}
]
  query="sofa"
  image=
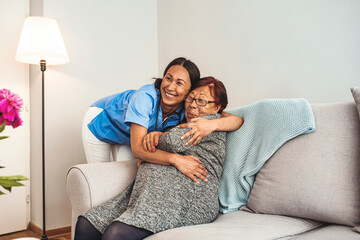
[{"x": 308, "y": 189}]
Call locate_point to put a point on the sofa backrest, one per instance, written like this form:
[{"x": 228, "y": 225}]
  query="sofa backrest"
[{"x": 317, "y": 175}]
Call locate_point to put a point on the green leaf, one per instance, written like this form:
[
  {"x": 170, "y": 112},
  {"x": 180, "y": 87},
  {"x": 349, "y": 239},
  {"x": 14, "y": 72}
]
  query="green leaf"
[
  {"x": 14, "y": 178},
  {"x": 2, "y": 126},
  {"x": 11, "y": 181},
  {"x": 3, "y": 137},
  {"x": 9, "y": 184},
  {"x": 1, "y": 193},
  {"x": 7, "y": 188}
]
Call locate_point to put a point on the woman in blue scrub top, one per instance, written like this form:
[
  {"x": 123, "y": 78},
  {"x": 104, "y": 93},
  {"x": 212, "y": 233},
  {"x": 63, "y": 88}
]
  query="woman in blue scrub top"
[
  {"x": 109, "y": 119},
  {"x": 154, "y": 107}
]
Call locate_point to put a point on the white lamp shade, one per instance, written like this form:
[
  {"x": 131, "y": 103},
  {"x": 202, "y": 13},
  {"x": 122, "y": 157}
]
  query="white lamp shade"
[{"x": 41, "y": 40}]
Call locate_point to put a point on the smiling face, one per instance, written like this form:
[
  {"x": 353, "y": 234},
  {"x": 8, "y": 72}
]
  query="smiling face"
[
  {"x": 174, "y": 87},
  {"x": 192, "y": 110}
]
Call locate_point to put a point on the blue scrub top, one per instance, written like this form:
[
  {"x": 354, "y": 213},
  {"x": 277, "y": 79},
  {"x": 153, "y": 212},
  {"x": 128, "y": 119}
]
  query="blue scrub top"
[{"x": 112, "y": 125}]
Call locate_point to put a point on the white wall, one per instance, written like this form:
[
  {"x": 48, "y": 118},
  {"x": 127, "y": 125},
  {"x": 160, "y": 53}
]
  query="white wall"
[
  {"x": 267, "y": 49},
  {"x": 112, "y": 47}
]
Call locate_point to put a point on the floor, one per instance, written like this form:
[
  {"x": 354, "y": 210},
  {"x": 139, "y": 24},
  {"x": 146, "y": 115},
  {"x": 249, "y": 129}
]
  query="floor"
[{"x": 22, "y": 234}]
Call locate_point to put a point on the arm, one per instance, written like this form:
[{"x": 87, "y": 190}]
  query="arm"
[
  {"x": 188, "y": 165},
  {"x": 201, "y": 127}
]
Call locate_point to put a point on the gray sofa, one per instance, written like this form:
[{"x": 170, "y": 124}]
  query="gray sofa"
[{"x": 309, "y": 189}]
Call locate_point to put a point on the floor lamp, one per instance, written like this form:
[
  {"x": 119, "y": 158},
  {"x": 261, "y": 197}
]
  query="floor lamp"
[{"x": 41, "y": 43}]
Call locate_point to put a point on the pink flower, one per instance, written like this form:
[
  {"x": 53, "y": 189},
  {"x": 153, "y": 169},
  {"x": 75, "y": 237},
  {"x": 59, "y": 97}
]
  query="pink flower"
[{"x": 10, "y": 105}]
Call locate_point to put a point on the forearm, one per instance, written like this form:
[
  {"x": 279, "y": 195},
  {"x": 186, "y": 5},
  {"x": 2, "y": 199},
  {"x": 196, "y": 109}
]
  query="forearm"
[
  {"x": 158, "y": 157},
  {"x": 227, "y": 122},
  {"x": 137, "y": 134}
]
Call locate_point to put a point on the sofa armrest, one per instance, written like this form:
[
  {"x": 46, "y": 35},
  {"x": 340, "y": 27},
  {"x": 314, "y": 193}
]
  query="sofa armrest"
[{"x": 88, "y": 185}]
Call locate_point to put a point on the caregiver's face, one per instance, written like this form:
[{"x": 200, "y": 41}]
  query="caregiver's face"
[
  {"x": 175, "y": 86},
  {"x": 199, "y": 103}
]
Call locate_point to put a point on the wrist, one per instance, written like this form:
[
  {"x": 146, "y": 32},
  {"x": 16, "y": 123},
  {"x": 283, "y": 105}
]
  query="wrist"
[
  {"x": 172, "y": 159},
  {"x": 216, "y": 125}
]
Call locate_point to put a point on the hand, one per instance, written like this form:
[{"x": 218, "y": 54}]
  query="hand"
[
  {"x": 191, "y": 166},
  {"x": 139, "y": 162},
  {"x": 151, "y": 140},
  {"x": 200, "y": 128}
]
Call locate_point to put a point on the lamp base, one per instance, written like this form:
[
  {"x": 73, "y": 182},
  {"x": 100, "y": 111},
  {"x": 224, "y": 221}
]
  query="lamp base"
[
  {"x": 31, "y": 238},
  {"x": 26, "y": 238},
  {"x": 46, "y": 238}
]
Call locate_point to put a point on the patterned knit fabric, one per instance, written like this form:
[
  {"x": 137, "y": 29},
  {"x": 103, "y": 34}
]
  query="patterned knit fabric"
[
  {"x": 161, "y": 197},
  {"x": 268, "y": 124}
]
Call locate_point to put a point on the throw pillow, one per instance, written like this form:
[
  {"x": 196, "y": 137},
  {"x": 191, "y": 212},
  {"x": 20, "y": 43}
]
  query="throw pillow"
[
  {"x": 316, "y": 175},
  {"x": 356, "y": 94}
]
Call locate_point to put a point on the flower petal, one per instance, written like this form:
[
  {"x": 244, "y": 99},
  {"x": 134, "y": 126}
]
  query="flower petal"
[
  {"x": 17, "y": 122},
  {"x": 10, "y": 115},
  {"x": 3, "y": 104}
]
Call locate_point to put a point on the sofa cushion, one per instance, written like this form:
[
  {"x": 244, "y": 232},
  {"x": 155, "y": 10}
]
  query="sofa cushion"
[
  {"x": 315, "y": 176},
  {"x": 241, "y": 225},
  {"x": 332, "y": 232}
]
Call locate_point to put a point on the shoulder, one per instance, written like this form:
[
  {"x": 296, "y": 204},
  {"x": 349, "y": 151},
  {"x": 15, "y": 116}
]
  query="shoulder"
[
  {"x": 212, "y": 116},
  {"x": 150, "y": 90},
  {"x": 216, "y": 134},
  {"x": 146, "y": 94}
]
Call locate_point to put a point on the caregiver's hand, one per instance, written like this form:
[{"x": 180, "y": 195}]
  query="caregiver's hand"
[
  {"x": 151, "y": 140},
  {"x": 200, "y": 128},
  {"x": 139, "y": 162},
  {"x": 191, "y": 166}
]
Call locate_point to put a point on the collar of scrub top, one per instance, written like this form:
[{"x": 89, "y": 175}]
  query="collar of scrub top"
[{"x": 178, "y": 114}]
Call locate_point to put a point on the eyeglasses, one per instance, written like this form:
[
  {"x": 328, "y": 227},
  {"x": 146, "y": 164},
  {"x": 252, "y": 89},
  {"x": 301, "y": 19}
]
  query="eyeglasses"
[{"x": 198, "y": 101}]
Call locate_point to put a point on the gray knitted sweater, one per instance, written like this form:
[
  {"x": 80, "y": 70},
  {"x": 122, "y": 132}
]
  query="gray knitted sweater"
[{"x": 161, "y": 197}]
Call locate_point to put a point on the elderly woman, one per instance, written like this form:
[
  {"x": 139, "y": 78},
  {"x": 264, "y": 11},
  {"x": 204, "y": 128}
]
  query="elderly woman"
[{"x": 163, "y": 197}]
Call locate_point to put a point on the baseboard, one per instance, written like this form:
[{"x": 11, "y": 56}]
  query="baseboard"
[{"x": 50, "y": 232}]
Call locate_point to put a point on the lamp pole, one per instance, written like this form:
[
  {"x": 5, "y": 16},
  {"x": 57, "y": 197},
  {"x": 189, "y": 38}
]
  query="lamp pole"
[
  {"x": 43, "y": 68},
  {"x": 41, "y": 39}
]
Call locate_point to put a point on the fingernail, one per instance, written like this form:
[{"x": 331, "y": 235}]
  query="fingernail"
[
  {"x": 206, "y": 180},
  {"x": 182, "y": 138},
  {"x": 156, "y": 144}
]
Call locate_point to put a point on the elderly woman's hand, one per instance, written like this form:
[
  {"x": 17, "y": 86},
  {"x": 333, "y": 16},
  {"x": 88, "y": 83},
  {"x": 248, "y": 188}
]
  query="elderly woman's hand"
[
  {"x": 151, "y": 140},
  {"x": 200, "y": 128},
  {"x": 191, "y": 166}
]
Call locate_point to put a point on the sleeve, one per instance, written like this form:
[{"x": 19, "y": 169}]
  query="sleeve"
[
  {"x": 172, "y": 142},
  {"x": 140, "y": 108}
]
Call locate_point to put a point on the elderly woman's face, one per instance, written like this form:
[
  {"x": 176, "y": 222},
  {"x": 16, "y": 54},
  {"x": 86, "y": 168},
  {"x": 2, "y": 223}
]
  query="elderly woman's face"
[{"x": 203, "y": 104}]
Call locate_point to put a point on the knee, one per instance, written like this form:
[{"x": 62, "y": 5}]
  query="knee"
[
  {"x": 84, "y": 229},
  {"x": 114, "y": 232},
  {"x": 82, "y": 225}
]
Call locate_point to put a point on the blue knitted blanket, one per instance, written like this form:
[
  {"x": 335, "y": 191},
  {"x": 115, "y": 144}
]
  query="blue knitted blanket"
[{"x": 268, "y": 124}]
